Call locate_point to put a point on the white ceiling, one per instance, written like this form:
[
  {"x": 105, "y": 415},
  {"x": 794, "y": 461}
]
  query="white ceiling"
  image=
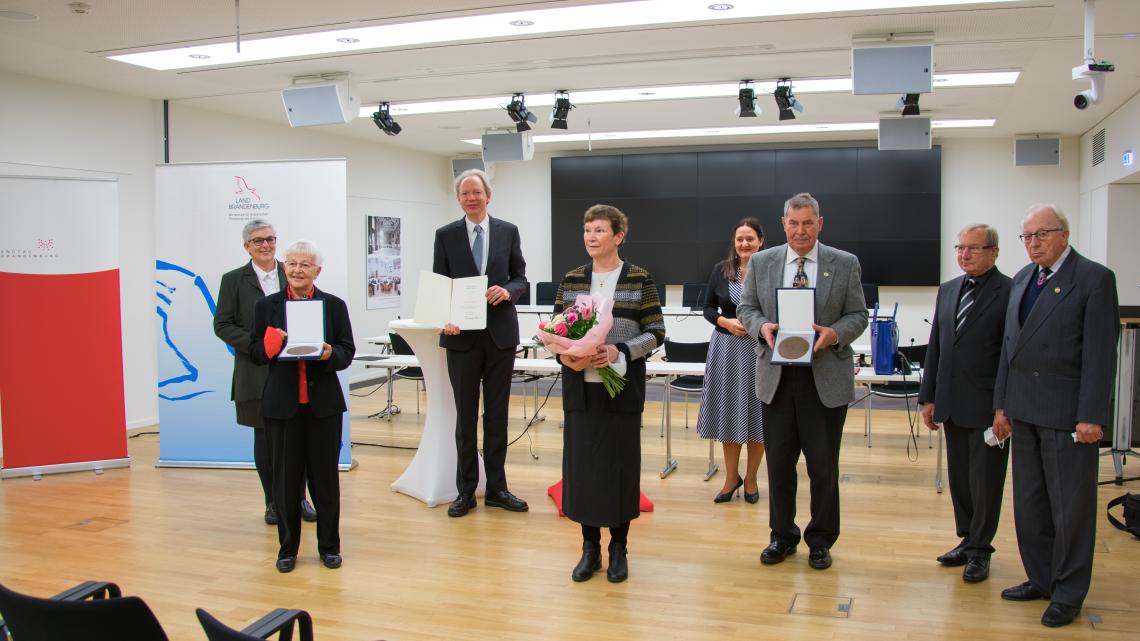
[{"x": 1042, "y": 39}]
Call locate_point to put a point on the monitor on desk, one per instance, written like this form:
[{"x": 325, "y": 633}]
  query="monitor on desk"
[
  {"x": 544, "y": 293},
  {"x": 693, "y": 295}
]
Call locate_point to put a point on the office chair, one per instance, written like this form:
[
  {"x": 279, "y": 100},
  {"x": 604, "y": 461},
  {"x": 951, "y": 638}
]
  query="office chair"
[
  {"x": 915, "y": 356},
  {"x": 545, "y": 292},
  {"x": 90, "y": 611},
  {"x": 278, "y": 621},
  {"x": 692, "y": 384},
  {"x": 400, "y": 347}
]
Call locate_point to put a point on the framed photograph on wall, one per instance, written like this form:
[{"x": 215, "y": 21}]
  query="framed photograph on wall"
[{"x": 383, "y": 272}]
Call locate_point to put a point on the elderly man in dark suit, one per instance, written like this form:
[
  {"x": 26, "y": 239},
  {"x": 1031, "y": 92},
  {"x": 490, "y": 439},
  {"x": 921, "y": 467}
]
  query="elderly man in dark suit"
[
  {"x": 238, "y": 294},
  {"x": 479, "y": 244},
  {"x": 1053, "y": 389},
  {"x": 958, "y": 391},
  {"x": 804, "y": 407}
]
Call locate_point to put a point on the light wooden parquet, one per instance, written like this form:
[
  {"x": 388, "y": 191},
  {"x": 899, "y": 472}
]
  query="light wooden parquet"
[{"x": 185, "y": 538}]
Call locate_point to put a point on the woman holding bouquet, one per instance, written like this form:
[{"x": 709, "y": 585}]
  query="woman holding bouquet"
[
  {"x": 730, "y": 411},
  {"x": 601, "y": 454}
]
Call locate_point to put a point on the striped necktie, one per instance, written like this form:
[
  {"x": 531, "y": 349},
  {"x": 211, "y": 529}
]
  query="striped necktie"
[{"x": 965, "y": 302}]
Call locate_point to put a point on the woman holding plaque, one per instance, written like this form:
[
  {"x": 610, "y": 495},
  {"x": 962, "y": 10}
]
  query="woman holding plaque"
[
  {"x": 601, "y": 454},
  {"x": 303, "y": 406},
  {"x": 730, "y": 411}
]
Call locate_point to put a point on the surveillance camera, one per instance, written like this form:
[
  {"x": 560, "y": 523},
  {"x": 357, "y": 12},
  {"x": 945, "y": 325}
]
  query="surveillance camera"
[
  {"x": 1082, "y": 100},
  {"x": 1094, "y": 73}
]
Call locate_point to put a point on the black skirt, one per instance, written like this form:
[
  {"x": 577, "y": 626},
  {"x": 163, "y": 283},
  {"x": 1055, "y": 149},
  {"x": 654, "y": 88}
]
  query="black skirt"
[{"x": 601, "y": 463}]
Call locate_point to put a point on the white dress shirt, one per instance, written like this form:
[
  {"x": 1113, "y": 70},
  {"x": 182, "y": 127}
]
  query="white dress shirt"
[
  {"x": 481, "y": 261},
  {"x": 267, "y": 279},
  {"x": 811, "y": 265}
]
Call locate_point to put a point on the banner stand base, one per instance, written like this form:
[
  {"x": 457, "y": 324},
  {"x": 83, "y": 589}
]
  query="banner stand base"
[
  {"x": 37, "y": 471},
  {"x": 235, "y": 465}
]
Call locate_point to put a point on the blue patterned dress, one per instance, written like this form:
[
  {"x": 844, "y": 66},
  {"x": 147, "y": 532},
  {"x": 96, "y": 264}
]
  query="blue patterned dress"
[{"x": 730, "y": 411}]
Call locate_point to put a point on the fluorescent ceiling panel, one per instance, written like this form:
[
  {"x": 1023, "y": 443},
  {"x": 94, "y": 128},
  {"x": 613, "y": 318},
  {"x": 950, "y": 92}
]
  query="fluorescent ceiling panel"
[
  {"x": 762, "y": 130},
  {"x": 631, "y": 94},
  {"x": 512, "y": 24}
]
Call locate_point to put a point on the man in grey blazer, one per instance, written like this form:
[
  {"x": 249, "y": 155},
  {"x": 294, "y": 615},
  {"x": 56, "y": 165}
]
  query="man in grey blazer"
[
  {"x": 958, "y": 391},
  {"x": 239, "y": 292},
  {"x": 1053, "y": 389},
  {"x": 804, "y": 407}
]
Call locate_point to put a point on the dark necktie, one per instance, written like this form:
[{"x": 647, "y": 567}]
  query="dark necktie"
[
  {"x": 477, "y": 249},
  {"x": 1043, "y": 276},
  {"x": 965, "y": 302},
  {"x": 799, "y": 281}
]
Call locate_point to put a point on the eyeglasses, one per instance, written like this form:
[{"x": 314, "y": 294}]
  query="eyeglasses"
[
  {"x": 292, "y": 264},
  {"x": 1039, "y": 235},
  {"x": 262, "y": 241},
  {"x": 971, "y": 249}
]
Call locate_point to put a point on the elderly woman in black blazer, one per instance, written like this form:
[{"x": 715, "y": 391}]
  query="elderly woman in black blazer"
[
  {"x": 303, "y": 406},
  {"x": 730, "y": 411}
]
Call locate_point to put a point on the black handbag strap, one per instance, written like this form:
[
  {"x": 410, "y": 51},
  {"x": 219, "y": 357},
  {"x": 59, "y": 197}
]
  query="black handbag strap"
[{"x": 1133, "y": 530}]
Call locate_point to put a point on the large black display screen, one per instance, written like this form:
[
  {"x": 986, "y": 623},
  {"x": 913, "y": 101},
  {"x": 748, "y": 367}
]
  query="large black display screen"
[{"x": 883, "y": 206}]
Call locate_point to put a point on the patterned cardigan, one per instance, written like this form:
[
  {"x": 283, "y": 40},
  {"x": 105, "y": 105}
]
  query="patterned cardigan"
[{"x": 639, "y": 328}]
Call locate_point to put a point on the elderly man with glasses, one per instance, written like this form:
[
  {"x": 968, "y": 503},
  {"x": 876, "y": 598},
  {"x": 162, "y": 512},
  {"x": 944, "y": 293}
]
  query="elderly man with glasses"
[
  {"x": 1053, "y": 390},
  {"x": 958, "y": 391}
]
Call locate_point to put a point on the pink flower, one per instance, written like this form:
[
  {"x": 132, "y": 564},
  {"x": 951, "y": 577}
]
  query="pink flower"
[
  {"x": 587, "y": 312},
  {"x": 542, "y": 325},
  {"x": 571, "y": 318},
  {"x": 561, "y": 330}
]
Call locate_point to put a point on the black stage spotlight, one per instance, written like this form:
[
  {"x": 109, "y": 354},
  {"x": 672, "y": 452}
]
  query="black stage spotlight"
[
  {"x": 747, "y": 99},
  {"x": 518, "y": 112},
  {"x": 909, "y": 104},
  {"x": 561, "y": 109},
  {"x": 786, "y": 100},
  {"x": 384, "y": 121}
]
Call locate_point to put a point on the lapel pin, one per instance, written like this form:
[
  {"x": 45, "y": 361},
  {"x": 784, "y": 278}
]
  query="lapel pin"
[
  {"x": 826, "y": 274},
  {"x": 1056, "y": 290}
]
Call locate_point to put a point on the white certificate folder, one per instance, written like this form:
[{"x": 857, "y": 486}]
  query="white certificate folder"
[
  {"x": 461, "y": 301},
  {"x": 305, "y": 327},
  {"x": 794, "y": 340}
]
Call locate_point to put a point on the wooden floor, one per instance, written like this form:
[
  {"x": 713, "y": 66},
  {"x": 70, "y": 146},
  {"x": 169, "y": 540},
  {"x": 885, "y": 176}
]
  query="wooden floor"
[{"x": 194, "y": 538}]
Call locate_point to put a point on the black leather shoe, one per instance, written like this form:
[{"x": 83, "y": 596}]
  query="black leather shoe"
[
  {"x": 270, "y": 515},
  {"x": 332, "y": 561},
  {"x": 507, "y": 501},
  {"x": 1059, "y": 614},
  {"x": 954, "y": 558},
  {"x": 819, "y": 557},
  {"x": 590, "y": 562},
  {"x": 1023, "y": 592},
  {"x": 977, "y": 570},
  {"x": 286, "y": 564},
  {"x": 725, "y": 497},
  {"x": 776, "y": 552},
  {"x": 307, "y": 511},
  {"x": 461, "y": 505},
  {"x": 618, "y": 569}
]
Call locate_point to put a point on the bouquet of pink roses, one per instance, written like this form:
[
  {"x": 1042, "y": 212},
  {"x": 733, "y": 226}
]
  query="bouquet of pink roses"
[{"x": 578, "y": 330}]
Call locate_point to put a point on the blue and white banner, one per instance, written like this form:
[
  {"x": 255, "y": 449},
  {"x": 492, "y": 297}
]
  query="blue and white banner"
[{"x": 200, "y": 210}]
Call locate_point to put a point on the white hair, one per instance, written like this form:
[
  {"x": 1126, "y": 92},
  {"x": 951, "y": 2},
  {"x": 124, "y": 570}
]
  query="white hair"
[{"x": 305, "y": 248}]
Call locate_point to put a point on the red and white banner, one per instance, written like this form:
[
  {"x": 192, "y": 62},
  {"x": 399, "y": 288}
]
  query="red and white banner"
[{"x": 59, "y": 280}]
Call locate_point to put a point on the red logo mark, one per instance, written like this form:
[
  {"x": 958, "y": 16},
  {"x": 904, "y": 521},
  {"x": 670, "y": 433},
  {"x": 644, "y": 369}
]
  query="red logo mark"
[
  {"x": 243, "y": 187},
  {"x": 45, "y": 245}
]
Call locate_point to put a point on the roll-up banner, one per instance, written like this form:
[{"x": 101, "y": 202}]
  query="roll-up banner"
[
  {"x": 200, "y": 210},
  {"x": 61, "y": 340}
]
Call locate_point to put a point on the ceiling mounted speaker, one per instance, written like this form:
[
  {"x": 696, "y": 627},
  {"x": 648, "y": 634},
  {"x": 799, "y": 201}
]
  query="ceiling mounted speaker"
[
  {"x": 319, "y": 103},
  {"x": 897, "y": 134},
  {"x": 1036, "y": 151},
  {"x": 508, "y": 146},
  {"x": 892, "y": 69}
]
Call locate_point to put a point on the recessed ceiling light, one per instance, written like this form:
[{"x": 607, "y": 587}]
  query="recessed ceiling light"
[
  {"x": 721, "y": 6},
  {"x": 522, "y": 23},
  {"x": 581, "y": 18},
  {"x": 348, "y": 41},
  {"x": 21, "y": 16},
  {"x": 199, "y": 56}
]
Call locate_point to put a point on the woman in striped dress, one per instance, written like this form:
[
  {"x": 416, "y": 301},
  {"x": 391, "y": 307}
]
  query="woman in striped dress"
[
  {"x": 730, "y": 411},
  {"x": 601, "y": 445}
]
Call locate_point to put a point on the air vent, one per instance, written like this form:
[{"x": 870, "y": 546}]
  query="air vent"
[{"x": 1098, "y": 148}]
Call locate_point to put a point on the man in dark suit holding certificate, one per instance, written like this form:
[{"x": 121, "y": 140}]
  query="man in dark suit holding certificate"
[
  {"x": 958, "y": 391},
  {"x": 1054, "y": 389},
  {"x": 478, "y": 244},
  {"x": 804, "y": 407}
]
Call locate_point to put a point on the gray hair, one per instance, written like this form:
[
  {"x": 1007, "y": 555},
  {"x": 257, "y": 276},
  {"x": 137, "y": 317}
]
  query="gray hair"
[
  {"x": 305, "y": 248},
  {"x": 252, "y": 226},
  {"x": 1060, "y": 215},
  {"x": 991, "y": 233},
  {"x": 477, "y": 173},
  {"x": 801, "y": 201}
]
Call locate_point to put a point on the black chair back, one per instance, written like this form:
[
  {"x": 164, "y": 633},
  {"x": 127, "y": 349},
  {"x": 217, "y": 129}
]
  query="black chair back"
[
  {"x": 871, "y": 294},
  {"x": 544, "y": 293},
  {"x": 279, "y": 621},
  {"x": 687, "y": 353},
  {"x": 400, "y": 347},
  {"x": 31, "y": 618},
  {"x": 693, "y": 294}
]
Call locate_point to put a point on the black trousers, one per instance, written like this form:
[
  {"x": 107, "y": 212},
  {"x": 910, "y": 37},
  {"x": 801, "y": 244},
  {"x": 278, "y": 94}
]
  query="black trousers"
[
  {"x": 1055, "y": 510},
  {"x": 796, "y": 421},
  {"x": 976, "y": 473},
  {"x": 487, "y": 364},
  {"x": 306, "y": 445}
]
